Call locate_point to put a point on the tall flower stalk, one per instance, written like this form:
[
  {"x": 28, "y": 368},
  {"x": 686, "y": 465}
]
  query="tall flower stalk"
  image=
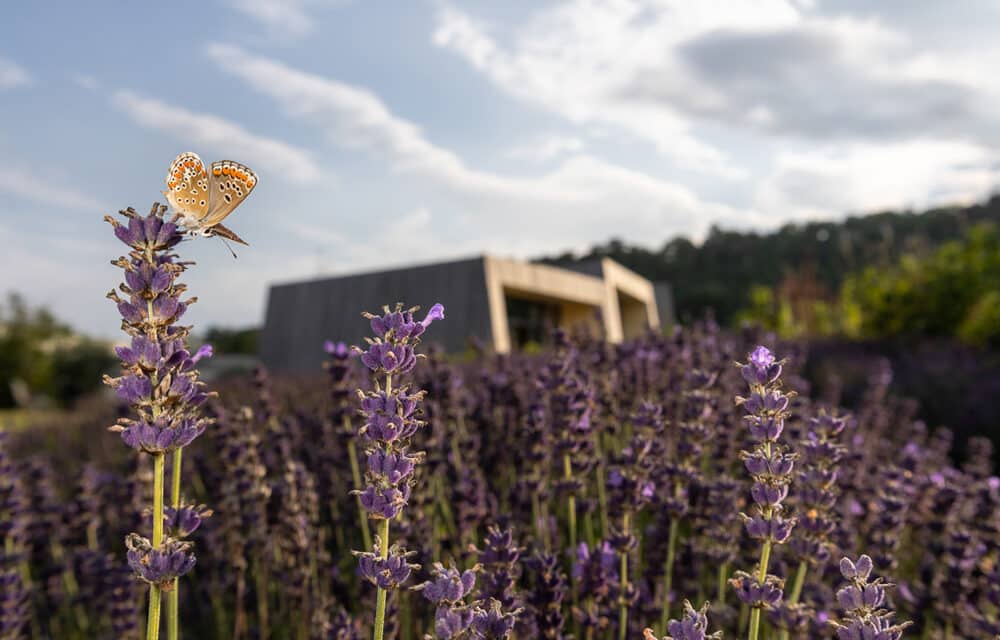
[
  {"x": 771, "y": 468},
  {"x": 391, "y": 417},
  {"x": 630, "y": 489},
  {"x": 160, "y": 382},
  {"x": 818, "y": 498}
]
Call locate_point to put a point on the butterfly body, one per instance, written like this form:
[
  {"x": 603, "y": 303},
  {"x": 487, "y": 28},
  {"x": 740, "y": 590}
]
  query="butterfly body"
[{"x": 204, "y": 197}]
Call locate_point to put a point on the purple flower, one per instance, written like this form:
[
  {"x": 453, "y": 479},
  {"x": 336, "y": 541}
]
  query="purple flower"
[
  {"x": 493, "y": 623},
  {"x": 448, "y": 585},
  {"x": 159, "y": 436},
  {"x": 384, "y": 502},
  {"x": 396, "y": 333},
  {"x": 693, "y": 626},
  {"x": 451, "y": 622},
  {"x": 436, "y": 313},
  {"x": 388, "y": 358},
  {"x": 338, "y": 350},
  {"x": 385, "y": 573},
  {"x": 134, "y": 389},
  {"x": 754, "y": 593},
  {"x": 768, "y": 463},
  {"x": 151, "y": 233},
  {"x": 862, "y": 601},
  {"x": 160, "y": 565},
  {"x": 184, "y": 521},
  {"x": 761, "y": 367},
  {"x": 204, "y": 351}
]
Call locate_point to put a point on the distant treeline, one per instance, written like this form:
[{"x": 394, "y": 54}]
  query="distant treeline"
[{"x": 721, "y": 273}]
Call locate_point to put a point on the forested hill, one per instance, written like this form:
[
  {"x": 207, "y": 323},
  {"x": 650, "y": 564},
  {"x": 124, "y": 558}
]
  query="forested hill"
[{"x": 718, "y": 274}]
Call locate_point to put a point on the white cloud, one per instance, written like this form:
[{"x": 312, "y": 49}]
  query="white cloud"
[
  {"x": 665, "y": 70},
  {"x": 33, "y": 186},
  {"x": 582, "y": 200},
  {"x": 263, "y": 154},
  {"x": 355, "y": 118},
  {"x": 577, "y": 59},
  {"x": 547, "y": 147},
  {"x": 12, "y": 74},
  {"x": 412, "y": 237},
  {"x": 282, "y": 17},
  {"x": 830, "y": 181}
]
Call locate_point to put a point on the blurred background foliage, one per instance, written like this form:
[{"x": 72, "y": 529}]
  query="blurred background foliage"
[
  {"x": 42, "y": 361},
  {"x": 784, "y": 273},
  {"x": 904, "y": 286},
  {"x": 952, "y": 291},
  {"x": 44, "y": 364}
]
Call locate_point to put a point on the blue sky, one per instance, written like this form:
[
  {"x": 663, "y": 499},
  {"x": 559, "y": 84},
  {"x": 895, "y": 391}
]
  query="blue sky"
[{"x": 386, "y": 133}]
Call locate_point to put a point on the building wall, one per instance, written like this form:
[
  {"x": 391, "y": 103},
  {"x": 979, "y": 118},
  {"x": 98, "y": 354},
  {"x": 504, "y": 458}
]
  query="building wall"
[
  {"x": 301, "y": 316},
  {"x": 474, "y": 292}
]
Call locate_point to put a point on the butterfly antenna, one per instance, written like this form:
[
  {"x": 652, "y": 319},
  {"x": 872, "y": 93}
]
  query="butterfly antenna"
[{"x": 229, "y": 247}]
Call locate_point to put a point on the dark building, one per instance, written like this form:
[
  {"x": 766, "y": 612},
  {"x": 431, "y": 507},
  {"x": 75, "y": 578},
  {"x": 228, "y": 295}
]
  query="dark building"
[{"x": 500, "y": 302}]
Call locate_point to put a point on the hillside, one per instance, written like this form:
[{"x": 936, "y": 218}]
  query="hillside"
[{"x": 719, "y": 273}]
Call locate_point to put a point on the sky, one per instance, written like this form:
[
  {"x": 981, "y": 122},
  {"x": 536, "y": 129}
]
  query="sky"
[{"x": 392, "y": 133}]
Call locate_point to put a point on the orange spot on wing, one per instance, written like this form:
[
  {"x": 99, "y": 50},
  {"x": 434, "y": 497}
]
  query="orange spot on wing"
[{"x": 217, "y": 171}]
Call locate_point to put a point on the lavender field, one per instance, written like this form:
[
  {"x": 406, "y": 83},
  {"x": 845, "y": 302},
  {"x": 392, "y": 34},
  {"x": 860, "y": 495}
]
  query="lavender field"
[{"x": 686, "y": 485}]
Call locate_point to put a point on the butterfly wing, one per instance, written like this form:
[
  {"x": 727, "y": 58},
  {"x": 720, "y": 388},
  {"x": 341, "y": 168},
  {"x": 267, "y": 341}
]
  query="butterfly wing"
[
  {"x": 230, "y": 183},
  {"x": 188, "y": 187}
]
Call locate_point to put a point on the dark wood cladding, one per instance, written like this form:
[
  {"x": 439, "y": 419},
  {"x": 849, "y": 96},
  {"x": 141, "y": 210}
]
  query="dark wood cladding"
[{"x": 302, "y": 315}]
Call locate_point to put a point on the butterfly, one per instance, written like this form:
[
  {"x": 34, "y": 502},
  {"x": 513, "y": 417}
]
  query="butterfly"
[{"x": 203, "y": 198}]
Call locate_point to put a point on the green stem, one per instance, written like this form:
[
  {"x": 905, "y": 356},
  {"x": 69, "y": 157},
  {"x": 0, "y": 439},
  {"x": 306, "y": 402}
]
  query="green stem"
[
  {"x": 668, "y": 573},
  {"x": 602, "y": 496},
  {"x": 380, "y": 595},
  {"x": 175, "y": 488},
  {"x": 153, "y": 620},
  {"x": 173, "y": 626},
  {"x": 352, "y": 454},
  {"x": 588, "y": 529},
  {"x": 623, "y": 603},
  {"x": 570, "y": 504},
  {"x": 263, "y": 618},
  {"x": 800, "y": 578},
  {"x": 536, "y": 516},
  {"x": 796, "y": 592},
  {"x": 723, "y": 575},
  {"x": 765, "y": 558}
]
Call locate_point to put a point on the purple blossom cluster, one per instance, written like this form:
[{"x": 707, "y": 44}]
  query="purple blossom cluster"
[
  {"x": 391, "y": 418},
  {"x": 862, "y": 601},
  {"x": 160, "y": 383},
  {"x": 770, "y": 466},
  {"x": 461, "y": 484}
]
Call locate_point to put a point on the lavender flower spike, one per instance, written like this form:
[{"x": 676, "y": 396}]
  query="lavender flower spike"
[
  {"x": 160, "y": 382},
  {"x": 391, "y": 415},
  {"x": 771, "y": 468},
  {"x": 693, "y": 626}
]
